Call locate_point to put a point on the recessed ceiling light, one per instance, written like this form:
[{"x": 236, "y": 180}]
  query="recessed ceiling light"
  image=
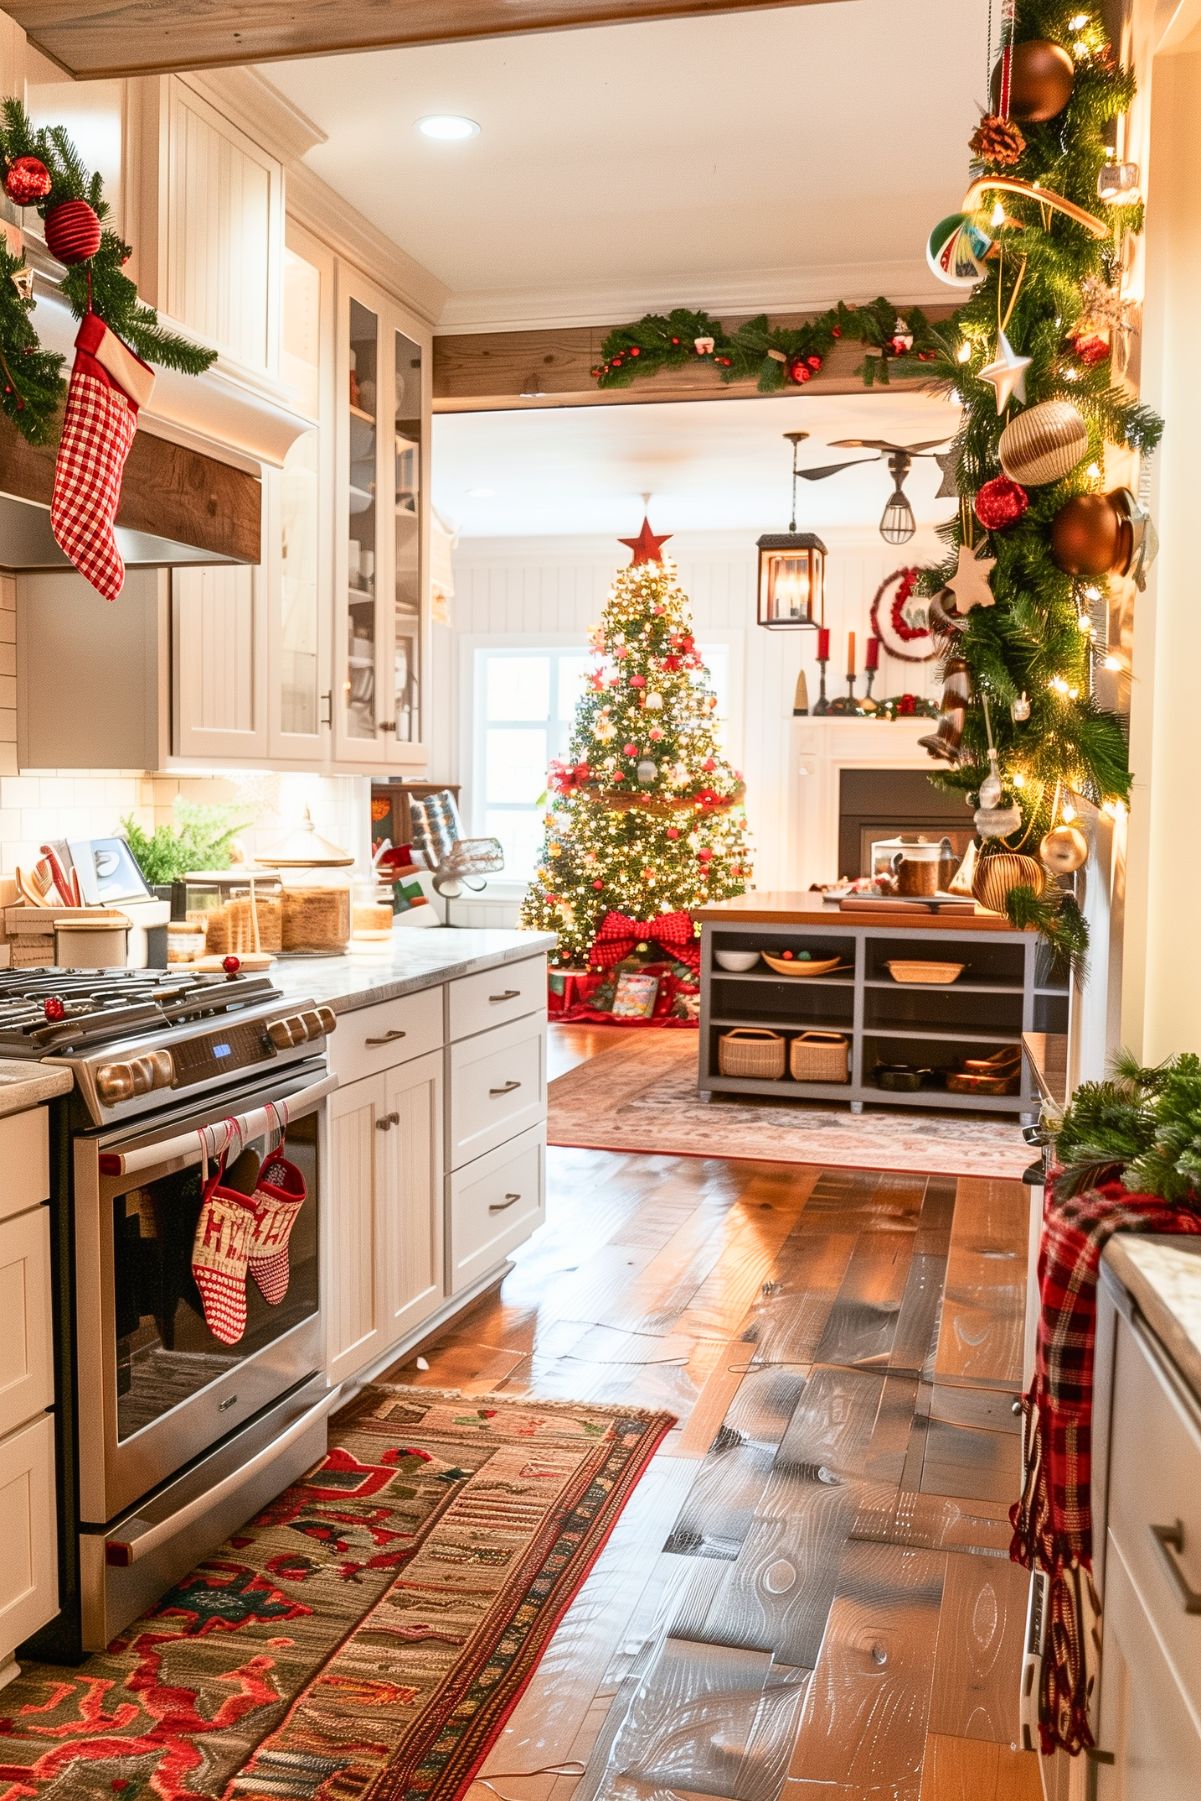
[
  {"x": 447, "y": 127},
  {"x": 481, "y": 493}
]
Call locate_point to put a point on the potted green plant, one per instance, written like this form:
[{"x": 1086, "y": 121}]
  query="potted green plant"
[{"x": 199, "y": 837}]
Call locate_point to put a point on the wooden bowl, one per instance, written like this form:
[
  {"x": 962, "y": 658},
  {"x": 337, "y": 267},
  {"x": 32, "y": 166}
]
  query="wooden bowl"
[{"x": 794, "y": 966}]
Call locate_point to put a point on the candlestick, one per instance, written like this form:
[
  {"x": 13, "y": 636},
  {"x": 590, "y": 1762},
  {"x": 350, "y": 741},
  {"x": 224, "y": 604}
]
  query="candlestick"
[
  {"x": 869, "y": 705},
  {"x": 850, "y": 653},
  {"x": 872, "y": 660},
  {"x": 823, "y": 644},
  {"x": 822, "y": 705}
]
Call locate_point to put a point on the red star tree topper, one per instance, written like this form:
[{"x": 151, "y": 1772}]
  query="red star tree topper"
[{"x": 651, "y": 821}]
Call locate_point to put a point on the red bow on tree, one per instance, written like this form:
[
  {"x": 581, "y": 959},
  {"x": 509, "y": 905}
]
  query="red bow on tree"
[
  {"x": 619, "y": 937},
  {"x": 569, "y": 778}
]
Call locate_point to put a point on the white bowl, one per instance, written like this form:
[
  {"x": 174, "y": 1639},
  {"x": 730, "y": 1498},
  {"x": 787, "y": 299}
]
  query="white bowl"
[{"x": 739, "y": 961}]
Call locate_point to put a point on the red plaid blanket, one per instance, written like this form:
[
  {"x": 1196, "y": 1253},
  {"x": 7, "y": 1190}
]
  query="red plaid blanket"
[{"x": 1053, "y": 1521}]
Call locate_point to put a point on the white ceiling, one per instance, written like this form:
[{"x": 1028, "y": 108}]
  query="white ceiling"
[
  {"x": 709, "y": 466},
  {"x": 776, "y": 158}
]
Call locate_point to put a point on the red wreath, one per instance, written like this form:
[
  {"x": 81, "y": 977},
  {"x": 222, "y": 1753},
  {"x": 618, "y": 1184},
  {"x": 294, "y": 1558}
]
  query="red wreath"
[{"x": 899, "y": 633}]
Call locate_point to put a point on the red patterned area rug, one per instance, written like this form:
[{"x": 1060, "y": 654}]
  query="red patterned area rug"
[{"x": 366, "y": 1637}]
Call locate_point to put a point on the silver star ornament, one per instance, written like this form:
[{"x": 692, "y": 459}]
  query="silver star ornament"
[{"x": 1007, "y": 373}]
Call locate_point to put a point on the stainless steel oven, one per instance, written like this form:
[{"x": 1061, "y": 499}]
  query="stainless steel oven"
[{"x": 180, "y": 1436}]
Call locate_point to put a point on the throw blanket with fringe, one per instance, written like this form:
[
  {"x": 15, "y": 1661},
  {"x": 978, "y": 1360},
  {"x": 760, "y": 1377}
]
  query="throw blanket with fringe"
[{"x": 1053, "y": 1521}]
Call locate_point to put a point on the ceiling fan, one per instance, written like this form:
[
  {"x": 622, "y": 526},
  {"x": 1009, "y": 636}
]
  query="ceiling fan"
[{"x": 897, "y": 523}]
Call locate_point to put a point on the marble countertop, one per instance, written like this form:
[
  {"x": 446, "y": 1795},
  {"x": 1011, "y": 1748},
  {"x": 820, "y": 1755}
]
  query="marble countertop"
[
  {"x": 415, "y": 958},
  {"x": 1163, "y": 1278},
  {"x": 24, "y": 1085}
]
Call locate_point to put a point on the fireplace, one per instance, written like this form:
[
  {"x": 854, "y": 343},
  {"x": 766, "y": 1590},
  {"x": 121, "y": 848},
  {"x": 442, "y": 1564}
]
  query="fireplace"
[{"x": 884, "y": 803}]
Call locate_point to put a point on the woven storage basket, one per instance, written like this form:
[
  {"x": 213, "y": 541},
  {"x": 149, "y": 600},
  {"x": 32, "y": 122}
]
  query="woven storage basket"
[
  {"x": 819, "y": 1057},
  {"x": 751, "y": 1051}
]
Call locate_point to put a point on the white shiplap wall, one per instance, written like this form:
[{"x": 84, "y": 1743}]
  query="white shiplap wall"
[{"x": 550, "y": 589}]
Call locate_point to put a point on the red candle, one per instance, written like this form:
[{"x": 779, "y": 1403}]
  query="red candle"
[
  {"x": 850, "y": 653},
  {"x": 873, "y": 653},
  {"x": 823, "y": 644}
]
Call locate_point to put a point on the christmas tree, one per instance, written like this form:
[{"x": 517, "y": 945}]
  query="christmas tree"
[{"x": 645, "y": 816}]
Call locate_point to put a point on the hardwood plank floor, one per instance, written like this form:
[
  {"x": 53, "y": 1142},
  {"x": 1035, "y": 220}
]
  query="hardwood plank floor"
[{"x": 808, "y": 1598}]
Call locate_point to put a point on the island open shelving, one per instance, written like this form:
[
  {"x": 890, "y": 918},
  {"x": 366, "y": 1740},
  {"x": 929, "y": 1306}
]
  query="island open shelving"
[{"x": 1007, "y": 989}]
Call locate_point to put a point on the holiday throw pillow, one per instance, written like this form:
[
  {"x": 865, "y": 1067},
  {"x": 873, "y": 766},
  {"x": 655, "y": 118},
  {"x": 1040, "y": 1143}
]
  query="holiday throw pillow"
[{"x": 108, "y": 386}]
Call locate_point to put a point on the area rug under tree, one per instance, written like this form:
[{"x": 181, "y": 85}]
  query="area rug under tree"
[
  {"x": 365, "y": 1638},
  {"x": 641, "y": 1096}
]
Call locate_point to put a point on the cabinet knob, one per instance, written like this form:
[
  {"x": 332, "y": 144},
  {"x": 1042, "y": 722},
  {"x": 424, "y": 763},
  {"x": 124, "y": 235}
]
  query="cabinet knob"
[
  {"x": 387, "y": 1121},
  {"x": 385, "y": 725}
]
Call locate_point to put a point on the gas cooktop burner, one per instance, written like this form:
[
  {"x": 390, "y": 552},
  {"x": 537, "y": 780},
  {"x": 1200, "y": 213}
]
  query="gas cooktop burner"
[{"x": 44, "y": 1011}]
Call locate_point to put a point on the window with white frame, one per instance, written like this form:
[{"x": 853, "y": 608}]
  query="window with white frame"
[{"x": 523, "y": 709}]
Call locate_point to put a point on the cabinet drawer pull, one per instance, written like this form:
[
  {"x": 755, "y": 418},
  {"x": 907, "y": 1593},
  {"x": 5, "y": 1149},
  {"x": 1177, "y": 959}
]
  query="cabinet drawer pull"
[
  {"x": 386, "y": 1123},
  {"x": 510, "y": 1200},
  {"x": 505, "y": 1088},
  {"x": 510, "y": 994},
  {"x": 388, "y": 1037},
  {"x": 1170, "y": 1540}
]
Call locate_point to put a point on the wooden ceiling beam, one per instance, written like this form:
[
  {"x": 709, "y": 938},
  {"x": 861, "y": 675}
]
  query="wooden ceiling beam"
[
  {"x": 94, "y": 39},
  {"x": 487, "y": 372}
]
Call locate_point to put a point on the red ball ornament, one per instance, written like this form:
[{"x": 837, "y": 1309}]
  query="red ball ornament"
[
  {"x": 1000, "y": 502},
  {"x": 598, "y": 883},
  {"x": 27, "y": 180},
  {"x": 635, "y": 350},
  {"x": 72, "y": 232},
  {"x": 814, "y": 361},
  {"x": 231, "y": 965},
  {"x": 796, "y": 370},
  {"x": 673, "y": 831},
  {"x": 54, "y": 1008},
  {"x": 836, "y": 331},
  {"x": 1090, "y": 348}
]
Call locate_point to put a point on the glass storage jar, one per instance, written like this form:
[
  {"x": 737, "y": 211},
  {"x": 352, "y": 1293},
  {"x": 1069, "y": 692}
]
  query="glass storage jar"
[{"x": 315, "y": 892}]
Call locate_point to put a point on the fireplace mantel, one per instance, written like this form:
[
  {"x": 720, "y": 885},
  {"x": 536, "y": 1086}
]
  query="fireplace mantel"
[{"x": 820, "y": 749}]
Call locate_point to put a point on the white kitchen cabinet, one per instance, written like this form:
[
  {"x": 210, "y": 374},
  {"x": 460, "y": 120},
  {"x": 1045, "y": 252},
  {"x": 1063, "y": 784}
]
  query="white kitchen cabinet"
[
  {"x": 219, "y": 663},
  {"x": 29, "y": 1534},
  {"x": 381, "y": 528},
  {"x": 384, "y": 1218},
  {"x": 1146, "y": 1723}
]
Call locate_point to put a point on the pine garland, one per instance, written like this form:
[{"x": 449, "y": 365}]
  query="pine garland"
[{"x": 32, "y": 388}]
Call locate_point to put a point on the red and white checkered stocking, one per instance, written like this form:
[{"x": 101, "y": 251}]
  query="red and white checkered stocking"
[
  {"x": 279, "y": 1195},
  {"x": 108, "y": 385},
  {"x": 220, "y": 1257}
]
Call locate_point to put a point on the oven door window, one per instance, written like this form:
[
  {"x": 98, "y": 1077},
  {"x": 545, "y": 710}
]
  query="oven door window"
[{"x": 165, "y": 1352}]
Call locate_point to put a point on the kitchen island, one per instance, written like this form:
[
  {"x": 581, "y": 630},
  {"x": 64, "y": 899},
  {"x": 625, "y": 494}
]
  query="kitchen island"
[{"x": 1006, "y": 988}]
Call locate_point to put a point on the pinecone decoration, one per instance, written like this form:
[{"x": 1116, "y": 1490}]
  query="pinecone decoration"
[{"x": 997, "y": 141}]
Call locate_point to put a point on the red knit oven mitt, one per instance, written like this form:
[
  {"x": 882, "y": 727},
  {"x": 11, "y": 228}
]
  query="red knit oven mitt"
[
  {"x": 220, "y": 1257},
  {"x": 278, "y": 1197},
  {"x": 108, "y": 385}
]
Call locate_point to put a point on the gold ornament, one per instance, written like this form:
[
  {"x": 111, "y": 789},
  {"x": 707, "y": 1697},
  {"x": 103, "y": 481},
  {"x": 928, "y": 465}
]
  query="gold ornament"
[
  {"x": 1064, "y": 850},
  {"x": 971, "y": 583},
  {"x": 1006, "y": 373},
  {"x": 1044, "y": 443},
  {"x": 999, "y": 874}
]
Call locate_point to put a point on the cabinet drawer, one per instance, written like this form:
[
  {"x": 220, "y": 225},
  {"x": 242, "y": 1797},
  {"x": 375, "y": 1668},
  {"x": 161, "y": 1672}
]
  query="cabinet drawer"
[
  {"x": 494, "y": 1206},
  {"x": 26, "y": 1345},
  {"x": 497, "y": 1088},
  {"x": 1155, "y": 1485},
  {"x": 495, "y": 996},
  {"x": 375, "y": 1038},
  {"x": 24, "y": 1161},
  {"x": 29, "y": 1567}
]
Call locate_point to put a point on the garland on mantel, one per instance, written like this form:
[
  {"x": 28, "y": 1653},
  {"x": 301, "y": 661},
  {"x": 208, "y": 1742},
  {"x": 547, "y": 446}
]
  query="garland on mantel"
[
  {"x": 43, "y": 169},
  {"x": 774, "y": 356}
]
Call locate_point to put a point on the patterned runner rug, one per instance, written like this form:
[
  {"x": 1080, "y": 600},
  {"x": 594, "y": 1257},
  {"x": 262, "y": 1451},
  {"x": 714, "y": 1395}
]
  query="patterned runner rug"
[
  {"x": 366, "y": 1637},
  {"x": 641, "y": 1096}
]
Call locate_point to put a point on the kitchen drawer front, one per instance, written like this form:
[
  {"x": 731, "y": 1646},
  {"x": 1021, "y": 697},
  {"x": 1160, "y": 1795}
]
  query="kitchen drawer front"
[
  {"x": 497, "y": 1088},
  {"x": 494, "y": 1205},
  {"x": 26, "y": 1343},
  {"x": 1155, "y": 1486},
  {"x": 29, "y": 1567},
  {"x": 24, "y": 1161},
  {"x": 375, "y": 1038},
  {"x": 495, "y": 996}
]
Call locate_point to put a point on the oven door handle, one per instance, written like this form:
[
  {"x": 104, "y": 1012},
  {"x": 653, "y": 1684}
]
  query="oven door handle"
[
  {"x": 211, "y": 1141},
  {"x": 139, "y": 1536}
]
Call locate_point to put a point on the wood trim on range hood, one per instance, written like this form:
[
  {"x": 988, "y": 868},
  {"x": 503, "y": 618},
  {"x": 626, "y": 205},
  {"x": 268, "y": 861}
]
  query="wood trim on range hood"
[{"x": 101, "y": 38}]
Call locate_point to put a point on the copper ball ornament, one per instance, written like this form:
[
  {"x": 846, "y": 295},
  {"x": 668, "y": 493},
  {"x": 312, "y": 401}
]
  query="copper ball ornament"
[
  {"x": 998, "y": 875},
  {"x": 1092, "y": 534},
  {"x": 1044, "y": 443},
  {"x": 1064, "y": 849},
  {"x": 72, "y": 231},
  {"x": 1041, "y": 78}
]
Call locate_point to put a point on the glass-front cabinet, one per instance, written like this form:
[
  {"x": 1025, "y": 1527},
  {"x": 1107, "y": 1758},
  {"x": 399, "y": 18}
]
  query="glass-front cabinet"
[{"x": 381, "y": 578}]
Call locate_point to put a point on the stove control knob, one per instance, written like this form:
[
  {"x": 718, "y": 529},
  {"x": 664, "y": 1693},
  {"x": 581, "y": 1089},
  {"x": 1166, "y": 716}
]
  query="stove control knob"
[
  {"x": 161, "y": 1066},
  {"x": 328, "y": 1019},
  {"x": 115, "y": 1083},
  {"x": 279, "y": 1032}
]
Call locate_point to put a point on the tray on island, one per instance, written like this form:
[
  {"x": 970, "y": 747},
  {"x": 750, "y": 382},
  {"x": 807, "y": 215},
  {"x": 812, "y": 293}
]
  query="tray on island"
[{"x": 901, "y": 903}]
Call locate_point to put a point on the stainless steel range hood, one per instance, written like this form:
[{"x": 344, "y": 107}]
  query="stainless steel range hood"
[{"x": 192, "y": 492}]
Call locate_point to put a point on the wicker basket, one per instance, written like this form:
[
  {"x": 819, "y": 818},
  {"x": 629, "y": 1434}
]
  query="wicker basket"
[
  {"x": 819, "y": 1057},
  {"x": 936, "y": 974},
  {"x": 751, "y": 1051}
]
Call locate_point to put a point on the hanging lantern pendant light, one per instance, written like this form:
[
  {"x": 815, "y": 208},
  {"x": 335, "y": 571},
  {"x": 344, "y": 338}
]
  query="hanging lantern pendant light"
[
  {"x": 897, "y": 523},
  {"x": 792, "y": 569}
]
